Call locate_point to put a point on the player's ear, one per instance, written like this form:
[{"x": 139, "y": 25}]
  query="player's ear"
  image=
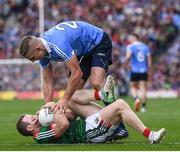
[
  {"x": 29, "y": 128},
  {"x": 38, "y": 49},
  {"x": 38, "y": 45}
]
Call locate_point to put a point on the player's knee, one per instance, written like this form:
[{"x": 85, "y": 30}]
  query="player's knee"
[
  {"x": 121, "y": 104},
  {"x": 75, "y": 95}
]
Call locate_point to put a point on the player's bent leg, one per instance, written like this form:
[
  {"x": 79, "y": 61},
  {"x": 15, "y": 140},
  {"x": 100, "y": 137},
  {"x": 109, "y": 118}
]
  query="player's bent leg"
[
  {"x": 134, "y": 92},
  {"x": 120, "y": 110},
  {"x": 134, "y": 88},
  {"x": 143, "y": 90},
  {"x": 83, "y": 96},
  {"x": 97, "y": 77},
  {"x": 137, "y": 104},
  {"x": 128, "y": 116},
  {"x": 111, "y": 113},
  {"x": 84, "y": 110}
]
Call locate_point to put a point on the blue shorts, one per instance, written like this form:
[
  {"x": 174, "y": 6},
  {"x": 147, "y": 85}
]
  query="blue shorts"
[{"x": 101, "y": 56}]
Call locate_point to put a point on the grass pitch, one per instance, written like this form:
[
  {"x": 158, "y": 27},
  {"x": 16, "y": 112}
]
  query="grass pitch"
[{"x": 161, "y": 113}]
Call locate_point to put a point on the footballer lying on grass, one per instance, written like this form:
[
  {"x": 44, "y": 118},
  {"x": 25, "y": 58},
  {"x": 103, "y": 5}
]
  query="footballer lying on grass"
[{"x": 96, "y": 125}]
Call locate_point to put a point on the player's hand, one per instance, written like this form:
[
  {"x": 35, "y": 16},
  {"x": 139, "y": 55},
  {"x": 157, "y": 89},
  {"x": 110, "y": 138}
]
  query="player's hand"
[{"x": 60, "y": 106}]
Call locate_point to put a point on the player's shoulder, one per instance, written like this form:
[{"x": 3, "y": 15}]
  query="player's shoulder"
[
  {"x": 45, "y": 134},
  {"x": 131, "y": 46},
  {"x": 53, "y": 36},
  {"x": 141, "y": 45},
  {"x": 144, "y": 45}
]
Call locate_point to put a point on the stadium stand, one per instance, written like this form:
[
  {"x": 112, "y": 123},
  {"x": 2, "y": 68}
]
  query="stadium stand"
[{"x": 157, "y": 23}]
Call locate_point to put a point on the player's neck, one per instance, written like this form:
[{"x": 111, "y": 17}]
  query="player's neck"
[{"x": 37, "y": 127}]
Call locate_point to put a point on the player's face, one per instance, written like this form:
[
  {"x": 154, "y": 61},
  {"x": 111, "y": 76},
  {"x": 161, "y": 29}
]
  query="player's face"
[
  {"x": 36, "y": 51},
  {"x": 131, "y": 39},
  {"x": 36, "y": 54},
  {"x": 31, "y": 119}
]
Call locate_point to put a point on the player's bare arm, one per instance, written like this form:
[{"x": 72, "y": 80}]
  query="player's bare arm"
[
  {"x": 61, "y": 123},
  {"x": 149, "y": 60},
  {"x": 48, "y": 83},
  {"x": 73, "y": 82},
  {"x": 69, "y": 113},
  {"x": 127, "y": 60},
  {"x": 75, "y": 77}
]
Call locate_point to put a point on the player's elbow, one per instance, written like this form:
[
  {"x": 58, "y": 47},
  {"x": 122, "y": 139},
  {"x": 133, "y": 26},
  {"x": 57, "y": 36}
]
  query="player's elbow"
[{"x": 78, "y": 74}]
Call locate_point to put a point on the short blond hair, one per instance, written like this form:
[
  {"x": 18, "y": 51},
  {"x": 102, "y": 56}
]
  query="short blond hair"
[{"x": 24, "y": 45}]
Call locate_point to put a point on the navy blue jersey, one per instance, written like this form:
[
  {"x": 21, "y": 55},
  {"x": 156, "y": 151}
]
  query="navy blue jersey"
[{"x": 67, "y": 38}]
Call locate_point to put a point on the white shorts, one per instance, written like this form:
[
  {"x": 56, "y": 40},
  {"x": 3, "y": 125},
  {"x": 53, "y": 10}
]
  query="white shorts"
[{"x": 97, "y": 130}]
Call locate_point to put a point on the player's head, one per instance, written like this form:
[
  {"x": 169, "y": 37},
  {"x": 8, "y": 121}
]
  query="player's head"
[
  {"x": 32, "y": 48},
  {"x": 27, "y": 124},
  {"x": 133, "y": 37}
]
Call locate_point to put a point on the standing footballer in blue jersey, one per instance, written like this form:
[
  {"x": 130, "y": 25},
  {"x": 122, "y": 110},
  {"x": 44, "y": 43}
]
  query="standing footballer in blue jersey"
[
  {"x": 84, "y": 48},
  {"x": 139, "y": 56}
]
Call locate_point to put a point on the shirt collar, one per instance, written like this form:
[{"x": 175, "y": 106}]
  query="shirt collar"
[
  {"x": 137, "y": 42},
  {"x": 46, "y": 44}
]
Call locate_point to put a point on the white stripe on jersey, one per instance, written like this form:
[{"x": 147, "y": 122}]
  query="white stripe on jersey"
[
  {"x": 59, "y": 52},
  {"x": 46, "y": 134},
  {"x": 46, "y": 45}
]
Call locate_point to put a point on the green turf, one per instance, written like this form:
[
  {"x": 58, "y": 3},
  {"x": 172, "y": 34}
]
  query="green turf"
[{"x": 161, "y": 113}]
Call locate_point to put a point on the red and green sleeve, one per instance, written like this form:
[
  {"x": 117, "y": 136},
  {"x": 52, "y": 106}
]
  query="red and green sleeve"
[{"x": 45, "y": 135}]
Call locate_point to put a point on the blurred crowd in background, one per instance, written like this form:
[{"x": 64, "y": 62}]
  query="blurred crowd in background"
[{"x": 157, "y": 22}]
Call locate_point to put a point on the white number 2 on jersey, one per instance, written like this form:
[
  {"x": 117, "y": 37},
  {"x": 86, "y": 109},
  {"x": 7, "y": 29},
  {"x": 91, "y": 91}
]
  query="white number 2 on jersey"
[{"x": 72, "y": 24}]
